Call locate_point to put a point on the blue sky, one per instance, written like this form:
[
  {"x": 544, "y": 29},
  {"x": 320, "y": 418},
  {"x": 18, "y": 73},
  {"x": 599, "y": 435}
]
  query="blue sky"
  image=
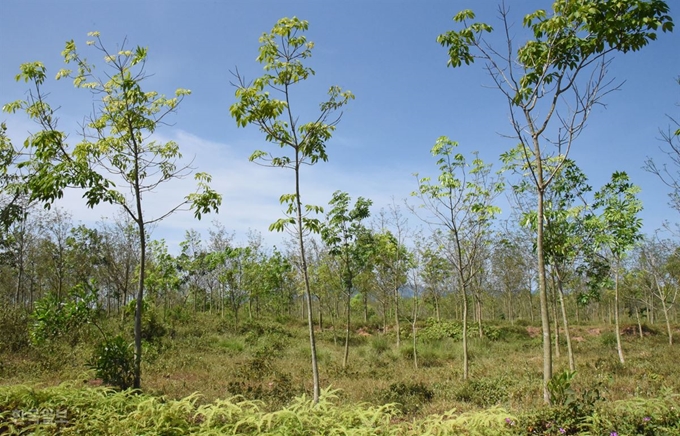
[{"x": 385, "y": 52}]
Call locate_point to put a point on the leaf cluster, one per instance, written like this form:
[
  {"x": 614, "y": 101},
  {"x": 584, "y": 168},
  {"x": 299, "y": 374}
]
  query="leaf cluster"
[
  {"x": 282, "y": 52},
  {"x": 574, "y": 35},
  {"x": 55, "y": 318},
  {"x": 347, "y": 239},
  {"x": 116, "y": 138}
]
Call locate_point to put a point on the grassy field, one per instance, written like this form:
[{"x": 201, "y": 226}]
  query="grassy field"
[{"x": 206, "y": 376}]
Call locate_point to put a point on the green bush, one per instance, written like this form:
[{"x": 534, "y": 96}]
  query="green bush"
[
  {"x": 113, "y": 362},
  {"x": 511, "y": 333},
  {"x": 152, "y": 326},
  {"x": 570, "y": 410},
  {"x": 429, "y": 355},
  {"x": 491, "y": 332},
  {"x": 608, "y": 339},
  {"x": 379, "y": 344},
  {"x": 522, "y": 322},
  {"x": 483, "y": 392},
  {"x": 409, "y": 397},
  {"x": 231, "y": 346},
  {"x": 255, "y": 329},
  {"x": 56, "y": 318},
  {"x": 638, "y": 416},
  {"x": 179, "y": 314},
  {"x": 438, "y": 330},
  {"x": 276, "y": 390}
]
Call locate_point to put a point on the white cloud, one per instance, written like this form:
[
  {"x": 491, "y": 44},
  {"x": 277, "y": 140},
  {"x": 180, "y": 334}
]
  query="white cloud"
[{"x": 250, "y": 192}]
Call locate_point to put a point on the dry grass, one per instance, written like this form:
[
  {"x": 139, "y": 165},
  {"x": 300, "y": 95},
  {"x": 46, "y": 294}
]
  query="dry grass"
[{"x": 273, "y": 367}]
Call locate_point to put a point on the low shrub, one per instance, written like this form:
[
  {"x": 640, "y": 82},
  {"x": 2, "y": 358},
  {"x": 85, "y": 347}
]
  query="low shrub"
[
  {"x": 380, "y": 344},
  {"x": 638, "y": 416},
  {"x": 569, "y": 412},
  {"x": 483, "y": 392},
  {"x": 438, "y": 330},
  {"x": 253, "y": 328},
  {"x": 608, "y": 339},
  {"x": 57, "y": 318},
  {"x": 113, "y": 362},
  {"x": 512, "y": 333},
  {"x": 408, "y": 397},
  {"x": 152, "y": 326},
  {"x": 277, "y": 389},
  {"x": 522, "y": 322}
]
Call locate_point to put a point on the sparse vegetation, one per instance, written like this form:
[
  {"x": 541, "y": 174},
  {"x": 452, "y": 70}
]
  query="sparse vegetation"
[{"x": 254, "y": 379}]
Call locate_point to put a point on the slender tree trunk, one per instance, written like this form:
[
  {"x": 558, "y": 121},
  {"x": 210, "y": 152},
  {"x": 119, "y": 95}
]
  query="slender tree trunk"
[
  {"x": 308, "y": 291},
  {"x": 221, "y": 301},
  {"x": 531, "y": 305},
  {"x": 396, "y": 315},
  {"x": 142, "y": 269},
  {"x": 619, "y": 348},
  {"x": 137, "y": 382},
  {"x": 384, "y": 315},
  {"x": 669, "y": 330},
  {"x": 335, "y": 314},
  {"x": 479, "y": 317},
  {"x": 413, "y": 328},
  {"x": 345, "y": 356},
  {"x": 565, "y": 321},
  {"x": 637, "y": 317},
  {"x": 303, "y": 307},
  {"x": 556, "y": 325},
  {"x": 542, "y": 288},
  {"x": 465, "y": 328},
  {"x": 20, "y": 281}
]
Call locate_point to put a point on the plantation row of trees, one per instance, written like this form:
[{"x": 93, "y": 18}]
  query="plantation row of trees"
[
  {"x": 578, "y": 251},
  {"x": 391, "y": 272},
  {"x": 47, "y": 254}
]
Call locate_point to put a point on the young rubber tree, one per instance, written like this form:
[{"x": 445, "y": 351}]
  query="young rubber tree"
[
  {"x": 391, "y": 261},
  {"x": 565, "y": 240},
  {"x": 349, "y": 241},
  {"x": 163, "y": 280},
  {"x": 567, "y": 237},
  {"x": 120, "y": 254},
  {"x": 658, "y": 259},
  {"x": 551, "y": 83},
  {"x": 276, "y": 290},
  {"x": 282, "y": 54},
  {"x": 434, "y": 274},
  {"x": 459, "y": 208},
  {"x": 117, "y": 160},
  {"x": 617, "y": 230}
]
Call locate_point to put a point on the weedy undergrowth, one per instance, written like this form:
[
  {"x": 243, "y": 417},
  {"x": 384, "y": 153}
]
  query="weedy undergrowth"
[{"x": 104, "y": 411}]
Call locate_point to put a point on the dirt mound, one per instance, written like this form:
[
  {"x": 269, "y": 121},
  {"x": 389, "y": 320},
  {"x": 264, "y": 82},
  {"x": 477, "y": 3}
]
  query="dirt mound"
[
  {"x": 363, "y": 332},
  {"x": 534, "y": 331},
  {"x": 633, "y": 330}
]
